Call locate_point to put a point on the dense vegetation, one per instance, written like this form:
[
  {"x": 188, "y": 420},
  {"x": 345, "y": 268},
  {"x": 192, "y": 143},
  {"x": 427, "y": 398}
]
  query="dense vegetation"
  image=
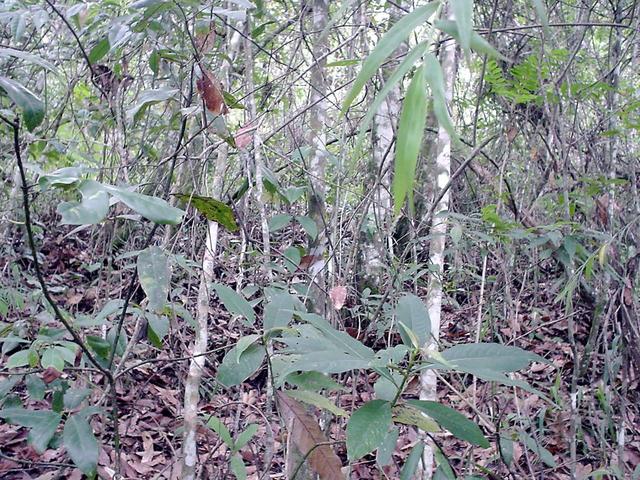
[{"x": 355, "y": 239}]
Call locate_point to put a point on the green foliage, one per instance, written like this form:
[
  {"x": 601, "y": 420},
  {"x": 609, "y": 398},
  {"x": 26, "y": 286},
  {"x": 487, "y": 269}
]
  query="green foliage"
[
  {"x": 154, "y": 275},
  {"x": 33, "y": 109},
  {"x": 367, "y": 428},
  {"x": 212, "y": 209}
]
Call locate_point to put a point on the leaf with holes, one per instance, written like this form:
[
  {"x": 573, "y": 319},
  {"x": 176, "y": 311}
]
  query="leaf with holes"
[{"x": 212, "y": 209}]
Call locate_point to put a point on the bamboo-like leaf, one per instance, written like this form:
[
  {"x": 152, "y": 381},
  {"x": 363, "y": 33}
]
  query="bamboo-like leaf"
[
  {"x": 541, "y": 11},
  {"x": 478, "y": 43},
  {"x": 463, "y": 12},
  {"x": 307, "y": 436},
  {"x": 410, "y": 131},
  {"x": 385, "y": 47},
  {"x": 435, "y": 78}
]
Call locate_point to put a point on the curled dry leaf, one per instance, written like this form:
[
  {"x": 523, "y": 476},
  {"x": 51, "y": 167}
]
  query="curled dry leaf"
[
  {"x": 305, "y": 433},
  {"x": 338, "y": 295},
  {"x": 211, "y": 91}
]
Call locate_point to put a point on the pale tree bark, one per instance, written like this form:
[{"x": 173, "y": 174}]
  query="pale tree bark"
[
  {"x": 428, "y": 379},
  {"x": 189, "y": 452},
  {"x": 380, "y": 208}
]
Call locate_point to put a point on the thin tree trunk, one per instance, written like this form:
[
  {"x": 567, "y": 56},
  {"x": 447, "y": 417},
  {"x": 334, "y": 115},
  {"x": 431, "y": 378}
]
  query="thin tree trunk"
[{"x": 428, "y": 380}]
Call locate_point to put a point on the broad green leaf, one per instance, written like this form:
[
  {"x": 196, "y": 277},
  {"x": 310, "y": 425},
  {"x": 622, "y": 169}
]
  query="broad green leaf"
[
  {"x": 155, "y": 209},
  {"x": 35, "y": 386},
  {"x": 278, "y": 222},
  {"x": 313, "y": 381},
  {"x": 43, "y": 424},
  {"x": 413, "y": 313},
  {"x": 309, "y": 226},
  {"x": 411, "y": 465},
  {"x": 410, "y": 130},
  {"x": 29, "y": 57},
  {"x": 244, "y": 343},
  {"x": 148, "y": 98},
  {"x": 246, "y": 436},
  {"x": 367, "y": 428},
  {"x": 7, "y": 385},
  {"x": 489, "y": 356},
  {"x": 81, "y": 444},
  {"x": 154, "y": 275},
  {"x": 386, "y": 46},
  {"x": 232, "y": 373},
  {"x": 453, "y": 421},
  {"x": 463, "y": 13},
  {"x": 92, "y": 209},
  {"x": 51, "y": 358},
  {"x": 410, "y": 416},
  {"x": 238, "y": 467},
  {"x": 234, "y": 302},
  {"x": 99, "y": 345},
  {"x": 218, "y": 426},
  {"x": 388, "y": 446},
  {"x": 435, "y": 79},
  {"x": 99, "y": 50},
  {"x": 75, "y": 396},
  {"x": 158, "y": 328},
  {"x": 212, "y": 209},
  {"x": 32, "y": 107},
  {"x": 18, "y": 359},
  {"x": 477, "y": 42},
  {"x": 317, "y": 400},
  {"x": 278, "y": 312},
  {"x": 545, "y": 455},
  {"x": 62, "y": 177},
  {"x": 398, "y": 74}
]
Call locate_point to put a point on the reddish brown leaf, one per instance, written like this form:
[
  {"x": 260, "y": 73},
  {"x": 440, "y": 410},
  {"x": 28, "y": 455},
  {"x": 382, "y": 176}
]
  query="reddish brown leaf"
[
  {"x": 50, "y": 374},
  {"x": 307, "y": 436},
  {"x": 211, "y": 92},
  {"x": 244, "y": 135},
  {"x": 338, "y": 296}
]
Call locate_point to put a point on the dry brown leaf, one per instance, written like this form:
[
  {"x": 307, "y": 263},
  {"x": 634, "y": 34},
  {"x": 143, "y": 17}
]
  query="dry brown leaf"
[
  {"x": 244, "y": 135},
  {"x": 338, "y": 296},
  {"x": 306, "y": 434},
  {"x": 211, "y": 92}
]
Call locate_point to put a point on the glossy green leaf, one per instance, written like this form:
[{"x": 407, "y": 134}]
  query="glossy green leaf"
[
  {"x": 410, "y": 131},
  {"x": 43, "y": 424},
  {"x": 31, "y": 106},
  {"x": 244, "y": 343},
  {"x": 463, "y": 13},
  {"x": 367, "y": 428},
  {"x": 93, "y": 207},
  {"x": 18, "y": 359},
  {"x": 453, "y": 421},
  {"x": 412, "y": 312},
  {"x": 154, "y": 276},
  {"x": 232, "y": 372},
  {"x": 317, "y": 400},
  {"x": 386, "y": 46},
  {"x": 155, "y": 209},
  {"x": 234, "y": 302},
  {"x": 212, "y": 209},
  {"x": 81, "y": 444},
  {"x": 411, "y": 465},
  {"x": 435, "y": 79}
]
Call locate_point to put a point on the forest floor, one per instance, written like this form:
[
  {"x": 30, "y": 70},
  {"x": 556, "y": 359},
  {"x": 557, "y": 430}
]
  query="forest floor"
[{"x": 151, "y": 397}]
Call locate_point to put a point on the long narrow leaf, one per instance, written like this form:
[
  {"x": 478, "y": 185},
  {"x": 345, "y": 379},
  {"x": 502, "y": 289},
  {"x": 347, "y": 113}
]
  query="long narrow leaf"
[
  {"x": 435, "y": 78},
  {"x": 385, "y": 47},
  {"x": 410, "y": 132},
  {"x": 463, "y": 12}
]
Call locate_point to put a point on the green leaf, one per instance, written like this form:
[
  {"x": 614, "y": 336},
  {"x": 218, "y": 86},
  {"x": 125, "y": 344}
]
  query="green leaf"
[
  {"x": 388, "y": 446},
  {"x": 81, "y": 444},
  {"x": 99, "y": 345},
  {"x": 278, "y": 222},
  {"x": 278, "y": 312},
  {"x": 463, "y": 13},
  {"x": 29, "y": 57},
  {"x": 313, "y": 381},
  {"x": 411, "y": 465},
  {"x": 155, "y": 209},
  {"x": 212, "y": 209},
  {"x": 309, "y": 226},
  {"x": 35, "y": 386},
  {"x": 154, "y": 275},
  {"x": 148, "y": 98},
  {"x": 477, "y": 42},
  {"x": 234, "y": 302},
  {"x": 18, "y": 359},
  {"x": 99, "y": 50},
  {"x": 413, "y": 313},
  {"x": 158, "y": 329},
  {"x": 385, "y": 47},
  {"x": 343, "y": 63},
  {"x": 51, "y": 358},
  {"x": 545, "y": 455},
  {"x": 43, "y": 424},
  {"x": 92, "y": 209},
  {"x": 232, "y": 373},
  {"x": 218, "y": 426},
  {"x": 32, "y": 107},
  {"x": 238, "y": 467},
  {"x": 541, "y": 12},
  {"x": 367, "y": 428},
  {"x": 410, "y": 131},
  {"x": 406, "y": 65},
  {"x": 453, "y": 421},
  {"x": 435, "y": 79},
  {"x": 489, "y": 356},
  {"x": 243, "y": 344},
  {"x": 317, "y": 400},
  {"x": 75, "y": 396},
  {"x": 246, "y": 436}
]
